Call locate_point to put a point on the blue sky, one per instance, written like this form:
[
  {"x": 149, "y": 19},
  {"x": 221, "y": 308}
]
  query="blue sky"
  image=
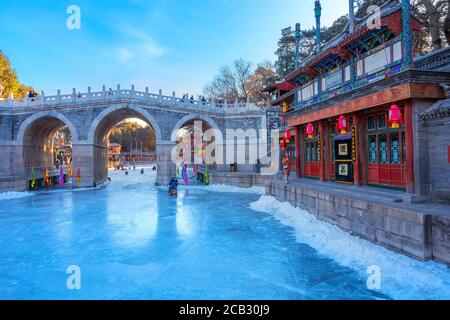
[{"x": 164, "y": 44}]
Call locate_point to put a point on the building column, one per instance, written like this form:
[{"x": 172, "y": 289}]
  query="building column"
[
  {"x": 363, "y": 149},
  {"x": 356, "y": 164},
  {"x": 301, "y": 144},
  {"x": 409, "y": 137},
  {"x": 297, "y": 152},
  {"x": 327, "y": 151},
  {"x": 407, "y": 37},
  {"x": 166, "y": 167},
  {"x": 12, "y": 177},
  {"x": 321, "y": 153}
]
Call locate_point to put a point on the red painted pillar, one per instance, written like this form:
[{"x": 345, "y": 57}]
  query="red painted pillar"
[
  {"x": 297, "y": 151},
  {"x": 327, "y": 152},
  {"x": 302, "y": 152},
  {"x": 321, "y": 153},
  {"x": 356, "y": 165},
  {"x": 409, "y": 137},
  {"x": 363, "y": 150}
]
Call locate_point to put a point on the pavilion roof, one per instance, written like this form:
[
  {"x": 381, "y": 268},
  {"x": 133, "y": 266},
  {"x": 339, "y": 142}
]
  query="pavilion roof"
[
  {"x": 282, "y": 86},
  {"x": 340, "y": 48},
  {"x": 440, "y": 109}
]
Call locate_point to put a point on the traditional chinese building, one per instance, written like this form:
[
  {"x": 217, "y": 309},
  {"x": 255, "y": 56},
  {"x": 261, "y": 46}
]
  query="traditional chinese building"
[{"x": 357, "y": 109}]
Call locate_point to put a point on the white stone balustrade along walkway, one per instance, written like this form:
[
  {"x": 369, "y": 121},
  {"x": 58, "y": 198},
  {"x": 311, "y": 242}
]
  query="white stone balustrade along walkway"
[{"x": 76, "y": 98}]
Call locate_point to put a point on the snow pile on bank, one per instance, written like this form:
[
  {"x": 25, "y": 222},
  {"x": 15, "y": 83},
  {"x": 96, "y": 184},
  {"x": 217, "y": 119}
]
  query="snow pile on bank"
[
  {"x": 14, "y": 195},
  {"x": 401, "y": 277}
]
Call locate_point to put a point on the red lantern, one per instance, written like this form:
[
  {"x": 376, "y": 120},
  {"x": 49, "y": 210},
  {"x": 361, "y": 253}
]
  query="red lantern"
[
  {"x": 310, "y": 130},
  {"x": 343, "y": 125},
  {"x": 287, "y": 135},
  {"x": 395, "y": 116}
]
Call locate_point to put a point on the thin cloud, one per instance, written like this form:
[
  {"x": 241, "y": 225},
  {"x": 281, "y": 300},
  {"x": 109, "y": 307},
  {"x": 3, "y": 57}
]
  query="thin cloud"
[
  {"x": 124, "y": 55},
  {"x": 143, "y": 47}
]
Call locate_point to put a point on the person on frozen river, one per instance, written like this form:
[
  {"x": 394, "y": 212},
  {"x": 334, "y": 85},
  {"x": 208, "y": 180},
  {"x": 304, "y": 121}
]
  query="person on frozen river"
[{"x": 173, "y": 187}]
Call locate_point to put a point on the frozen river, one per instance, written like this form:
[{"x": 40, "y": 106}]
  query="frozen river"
[{"x": 131, "y": 240}]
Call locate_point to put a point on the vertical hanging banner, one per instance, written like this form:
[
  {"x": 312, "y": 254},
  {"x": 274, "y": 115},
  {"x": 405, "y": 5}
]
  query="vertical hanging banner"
[
  {"x": 354, "y": 145},
  {"x": 319, "y": 148}
]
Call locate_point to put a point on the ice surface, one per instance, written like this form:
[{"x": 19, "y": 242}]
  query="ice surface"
[{"x": 133, "y": 241}]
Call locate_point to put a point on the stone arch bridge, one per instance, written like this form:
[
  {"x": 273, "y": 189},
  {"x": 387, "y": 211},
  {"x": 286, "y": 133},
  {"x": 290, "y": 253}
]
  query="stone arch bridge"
[{"x": 26, "y": 126}]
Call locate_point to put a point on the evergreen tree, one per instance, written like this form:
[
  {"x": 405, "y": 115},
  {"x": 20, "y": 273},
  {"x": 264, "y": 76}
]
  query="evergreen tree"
[
  {"x": 285, "y": 63},
  {"x": 9, "y": 82}
]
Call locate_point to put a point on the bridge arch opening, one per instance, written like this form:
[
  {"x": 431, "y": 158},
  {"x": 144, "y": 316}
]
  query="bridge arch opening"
[
  {"x": 47, "y": 143},
  {"x": 185, "y": 129},
  {"x": 123, "y": 137}
]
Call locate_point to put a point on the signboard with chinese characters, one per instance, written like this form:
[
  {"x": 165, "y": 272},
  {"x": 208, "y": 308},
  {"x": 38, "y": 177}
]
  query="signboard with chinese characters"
[
  {"x": 344, "y": 156},
  {"x": 273, "y": 120}
]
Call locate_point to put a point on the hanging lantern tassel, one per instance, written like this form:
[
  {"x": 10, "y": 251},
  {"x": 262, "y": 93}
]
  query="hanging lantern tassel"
[
  {"x": 283, "y": 144},
  {"x": 287, "y": 136}
]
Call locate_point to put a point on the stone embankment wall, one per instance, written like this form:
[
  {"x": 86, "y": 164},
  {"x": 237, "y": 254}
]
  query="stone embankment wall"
[{"x": 419, "y": 235}]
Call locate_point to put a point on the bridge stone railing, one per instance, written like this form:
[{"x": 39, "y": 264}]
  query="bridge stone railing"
[{"x": 76, "y": 99}]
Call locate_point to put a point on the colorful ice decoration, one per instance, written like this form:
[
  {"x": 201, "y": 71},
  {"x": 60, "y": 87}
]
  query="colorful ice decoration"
[
  {"x": 185, "y": 175},
  {"x": 179, "y": 171},
  {"x": 33, "y": 179},
  {"x": 47, "y": 179},
  {"x": 78, "y": 176},
  {"x": 207, "y": 176},
  {"x": 70, "y": 171},
  {"x": 61, "y": 177}
]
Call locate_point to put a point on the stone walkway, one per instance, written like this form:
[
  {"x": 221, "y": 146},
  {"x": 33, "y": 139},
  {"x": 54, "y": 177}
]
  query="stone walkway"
[{"x": 393, "y": 198}]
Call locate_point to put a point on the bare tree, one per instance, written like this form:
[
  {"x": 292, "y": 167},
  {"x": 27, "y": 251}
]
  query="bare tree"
[
  {"x": 243, "y": 72},
  {"x": 447, "y": 24},
  {"x": 232, "y": 81}
]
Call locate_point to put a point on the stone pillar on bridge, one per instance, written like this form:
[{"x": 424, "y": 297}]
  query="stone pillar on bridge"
[
  {"x": 83, "y": 159},
  {"x": 166, "y": 167},
  {"x": 12, "y": 176}
]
